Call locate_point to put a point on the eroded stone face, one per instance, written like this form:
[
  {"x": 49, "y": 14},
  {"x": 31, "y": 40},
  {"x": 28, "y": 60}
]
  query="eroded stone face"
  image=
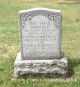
[{"x": 40, "y": 34}]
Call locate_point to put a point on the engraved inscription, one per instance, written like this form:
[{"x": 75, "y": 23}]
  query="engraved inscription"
[{"x": 40, "y": 37}]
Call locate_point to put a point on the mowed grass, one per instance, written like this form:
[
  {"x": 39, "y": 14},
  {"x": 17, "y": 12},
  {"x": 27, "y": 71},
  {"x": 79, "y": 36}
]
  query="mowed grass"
[{"x": 10, "y": 42}]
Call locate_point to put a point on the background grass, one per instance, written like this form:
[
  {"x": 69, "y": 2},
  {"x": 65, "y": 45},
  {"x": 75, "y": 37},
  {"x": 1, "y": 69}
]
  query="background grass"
[{"x": 10, "y": 45}]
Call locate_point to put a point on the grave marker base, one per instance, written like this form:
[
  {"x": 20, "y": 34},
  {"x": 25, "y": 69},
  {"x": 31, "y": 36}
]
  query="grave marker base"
[{"x": 55, "y": 66}]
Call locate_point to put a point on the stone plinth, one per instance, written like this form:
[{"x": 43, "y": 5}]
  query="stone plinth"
[{"x": 55, "y": 66}]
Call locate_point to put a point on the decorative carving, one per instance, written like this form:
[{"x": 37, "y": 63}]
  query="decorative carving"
[
  {"x": 51, "y": 17},
  {"x": 25, "y": 17},
  {"x": 55, "y": 18}
]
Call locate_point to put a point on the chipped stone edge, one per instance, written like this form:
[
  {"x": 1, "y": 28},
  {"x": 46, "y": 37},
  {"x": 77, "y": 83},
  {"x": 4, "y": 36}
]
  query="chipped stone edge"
[{"x": 55, "y": 66}]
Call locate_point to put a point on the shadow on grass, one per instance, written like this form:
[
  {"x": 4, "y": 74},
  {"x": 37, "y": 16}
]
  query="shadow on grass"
[
  {"x": 39, "y": 75},
  {"x": 72, "y": 63}
]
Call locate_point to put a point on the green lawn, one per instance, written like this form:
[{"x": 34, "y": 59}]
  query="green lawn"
[{"x": 10, "y": 45}]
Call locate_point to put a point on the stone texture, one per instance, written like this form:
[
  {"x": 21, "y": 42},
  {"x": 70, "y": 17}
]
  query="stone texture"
[
  {"x": 55, "y": 66},
  {"x": 40, "y": 33}
]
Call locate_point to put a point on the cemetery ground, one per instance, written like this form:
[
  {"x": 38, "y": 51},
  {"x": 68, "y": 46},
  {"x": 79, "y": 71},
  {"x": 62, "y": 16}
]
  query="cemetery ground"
[{"x": 10, "y": 43}]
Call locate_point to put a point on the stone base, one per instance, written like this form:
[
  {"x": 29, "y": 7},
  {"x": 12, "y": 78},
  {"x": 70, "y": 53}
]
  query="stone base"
[{"x": 55, "y": 66}]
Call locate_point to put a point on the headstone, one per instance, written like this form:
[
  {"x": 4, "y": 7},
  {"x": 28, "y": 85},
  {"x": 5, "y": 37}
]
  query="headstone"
[{"x": 40, "y": 33}]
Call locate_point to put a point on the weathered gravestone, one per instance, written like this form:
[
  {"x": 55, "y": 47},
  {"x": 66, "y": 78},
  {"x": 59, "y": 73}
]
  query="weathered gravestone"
[{"x": 40, "y": 33}]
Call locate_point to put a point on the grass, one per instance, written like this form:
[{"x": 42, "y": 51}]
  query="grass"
[{"x": 10, "y": 45}]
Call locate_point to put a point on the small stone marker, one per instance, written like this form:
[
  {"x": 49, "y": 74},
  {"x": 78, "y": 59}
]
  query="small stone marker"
[{"x": 40, "y": 33}]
